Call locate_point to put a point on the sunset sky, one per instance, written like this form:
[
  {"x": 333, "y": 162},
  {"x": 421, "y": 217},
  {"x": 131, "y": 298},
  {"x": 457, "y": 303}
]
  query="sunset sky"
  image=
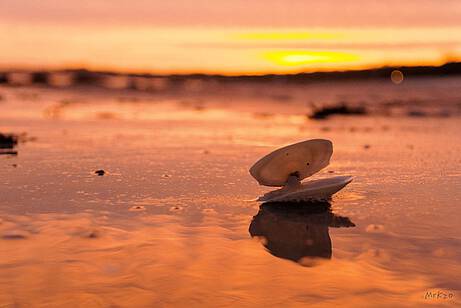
[{"x": 227, "y": 37}]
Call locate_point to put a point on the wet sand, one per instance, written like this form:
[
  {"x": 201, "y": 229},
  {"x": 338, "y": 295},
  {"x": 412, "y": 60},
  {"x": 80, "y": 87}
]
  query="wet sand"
[{"x": 170, "y": 223}]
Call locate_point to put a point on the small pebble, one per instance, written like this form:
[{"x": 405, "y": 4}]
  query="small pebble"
[
  {"x": 372, "y": 228},
  {"x": 14, "y": 235},
  {"x": 100, "y": 172},
  {"x": 93, "y": 234},
  {"x": 138, "y": 208}
]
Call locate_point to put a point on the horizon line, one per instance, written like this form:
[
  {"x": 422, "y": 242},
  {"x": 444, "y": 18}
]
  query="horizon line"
[{"x": 140, "y": 73}]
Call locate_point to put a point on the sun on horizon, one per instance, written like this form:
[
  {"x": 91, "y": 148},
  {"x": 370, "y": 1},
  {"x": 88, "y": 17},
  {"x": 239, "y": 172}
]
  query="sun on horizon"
[{"x": 227, "y": 38}]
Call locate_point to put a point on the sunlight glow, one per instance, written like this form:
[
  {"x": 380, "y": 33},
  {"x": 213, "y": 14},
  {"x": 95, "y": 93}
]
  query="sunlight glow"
[
  {"x": 297, "y": 58},
  {"x": 173, "y": 50},
  {"x": 289, "y": 36}
]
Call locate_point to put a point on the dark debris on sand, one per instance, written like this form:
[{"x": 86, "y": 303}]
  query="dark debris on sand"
[
  {"x": 100, "y": 172},
  {"x": 14, "y": 236},
  {"x": 341, "y": 109},
  {"x": 7, "y": 144},
  {"x": 8, "y": 141},
  {"x": 416, "y": 113}
]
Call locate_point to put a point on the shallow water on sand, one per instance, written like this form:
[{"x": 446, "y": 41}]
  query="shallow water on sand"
[{"x": 171, "y": 222}]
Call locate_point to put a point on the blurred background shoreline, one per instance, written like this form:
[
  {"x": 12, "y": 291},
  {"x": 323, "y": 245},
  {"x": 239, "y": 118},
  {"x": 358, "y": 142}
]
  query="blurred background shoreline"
[{"x": 68, "y": 77}]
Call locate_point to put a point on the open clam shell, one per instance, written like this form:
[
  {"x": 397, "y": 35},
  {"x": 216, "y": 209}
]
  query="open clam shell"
[
  {"x": 289, "y": 165},
  {"x": 301, "y": 159}
]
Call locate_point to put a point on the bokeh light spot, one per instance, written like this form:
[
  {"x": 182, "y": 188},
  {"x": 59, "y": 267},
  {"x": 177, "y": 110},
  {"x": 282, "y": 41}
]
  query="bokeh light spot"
[{"x": 397, "y": 76}]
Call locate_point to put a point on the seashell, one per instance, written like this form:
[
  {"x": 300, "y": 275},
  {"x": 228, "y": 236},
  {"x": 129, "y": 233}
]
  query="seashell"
[
  {"x": 311, "y": 190},
  {"x": 289, "y": 165},
  {"x": 301, "y": 160}
]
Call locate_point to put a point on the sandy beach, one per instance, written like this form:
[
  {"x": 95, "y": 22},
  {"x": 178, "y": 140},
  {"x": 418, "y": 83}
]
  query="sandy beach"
[{"x": 172, "y": 222}]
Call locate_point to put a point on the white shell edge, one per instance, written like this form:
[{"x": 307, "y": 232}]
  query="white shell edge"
[{"x": 311, "y": 190}]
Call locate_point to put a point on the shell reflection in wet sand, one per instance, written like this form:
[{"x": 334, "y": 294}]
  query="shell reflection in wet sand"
[{"x": 297, "y": 231}]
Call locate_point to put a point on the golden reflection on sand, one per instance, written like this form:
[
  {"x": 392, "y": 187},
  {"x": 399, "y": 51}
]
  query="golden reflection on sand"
[
  {"x": 297, "y": 231},
  {"x": 80, "y": 258},
  {"x": 166, "y": 225}
]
